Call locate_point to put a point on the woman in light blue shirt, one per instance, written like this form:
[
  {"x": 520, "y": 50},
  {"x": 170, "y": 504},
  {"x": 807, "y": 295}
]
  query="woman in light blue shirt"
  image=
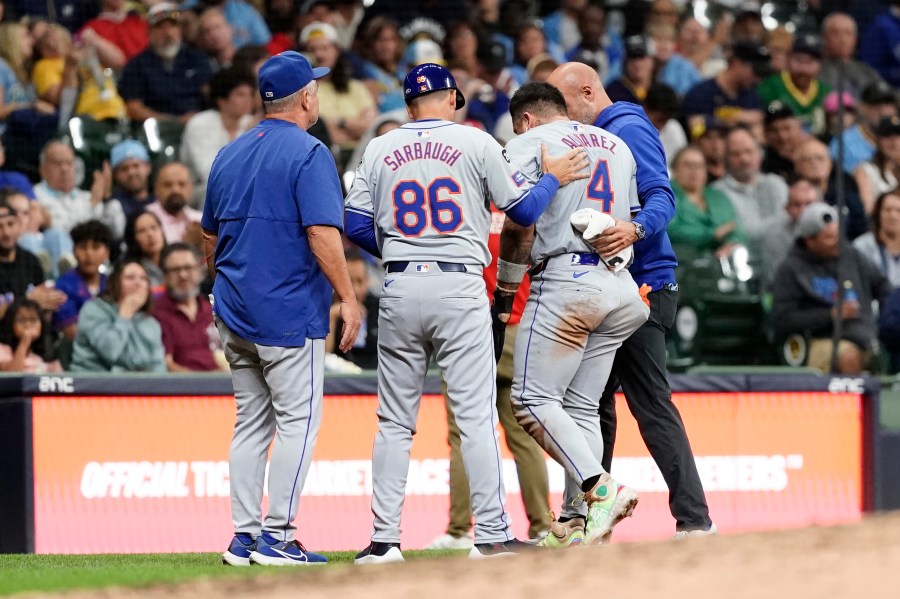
[{"x": 115, "y": 331}]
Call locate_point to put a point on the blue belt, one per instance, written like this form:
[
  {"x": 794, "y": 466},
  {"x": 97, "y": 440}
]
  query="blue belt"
[
  {"x": 587, "y": 259},
  {"x": 444, "y": 266}
]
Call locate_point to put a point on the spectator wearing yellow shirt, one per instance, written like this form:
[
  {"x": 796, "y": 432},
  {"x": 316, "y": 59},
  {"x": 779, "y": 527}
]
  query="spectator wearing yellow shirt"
[
  {"x": 64, "y": 66},
  {"x": 347, "y": 107}
]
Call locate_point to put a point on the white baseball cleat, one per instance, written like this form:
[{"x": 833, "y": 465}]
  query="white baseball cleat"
[
  {"x": 379, "y": 553},
  {"x": 448, "y": 541}
]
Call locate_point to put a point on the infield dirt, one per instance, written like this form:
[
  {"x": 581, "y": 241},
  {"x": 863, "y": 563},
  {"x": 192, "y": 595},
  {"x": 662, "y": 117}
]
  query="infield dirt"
[{"x": 859, "y": 560}]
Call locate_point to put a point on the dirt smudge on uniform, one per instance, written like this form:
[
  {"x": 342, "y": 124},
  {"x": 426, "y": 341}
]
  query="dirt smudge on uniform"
[{"x": 576, "y": 323}]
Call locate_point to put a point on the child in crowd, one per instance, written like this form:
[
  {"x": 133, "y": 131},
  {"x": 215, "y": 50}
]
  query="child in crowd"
[
  {"x": 93, "y": 241},
  {"x": 24, "y": 347}
]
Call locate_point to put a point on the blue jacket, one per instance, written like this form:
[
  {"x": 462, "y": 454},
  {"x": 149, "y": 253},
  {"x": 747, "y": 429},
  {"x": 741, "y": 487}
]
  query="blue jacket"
[{"x": 654, "y": 258}]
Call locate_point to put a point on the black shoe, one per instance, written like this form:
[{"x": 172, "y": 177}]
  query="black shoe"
[
  {"x": 379, "y": 553},
  {"x": 507, "y": 549}
]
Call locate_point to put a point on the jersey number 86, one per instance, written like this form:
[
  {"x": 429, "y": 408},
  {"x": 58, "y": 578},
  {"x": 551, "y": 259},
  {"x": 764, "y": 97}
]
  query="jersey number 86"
[{"x": 415, "y": 207}]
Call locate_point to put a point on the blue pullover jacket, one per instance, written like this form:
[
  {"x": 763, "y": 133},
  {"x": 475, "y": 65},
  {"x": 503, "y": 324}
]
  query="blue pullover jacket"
[{"x": 654, "y": 258}]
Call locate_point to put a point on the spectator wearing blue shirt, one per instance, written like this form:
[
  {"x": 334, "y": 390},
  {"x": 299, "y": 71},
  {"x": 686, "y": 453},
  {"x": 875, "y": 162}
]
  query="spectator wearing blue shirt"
[
  {"x": 599, "y": 47},
  {"x": 880, "y": 46},
  {"x": 876, "y": 103},
  {"x": 640, "y": 364},
  {"x": 730, "y": 97},
  {"x": 382, "y": 49},
  {"x": 166, "y": 80},
  {"x": 272, "y": 226},
  {"x": 532, "y": 43},
  {"x": 673, "y": 69},
  {"x": 561, "y": 26},
  {"x": 247, "y": 24},
  {"x": 93, "y": 242}
]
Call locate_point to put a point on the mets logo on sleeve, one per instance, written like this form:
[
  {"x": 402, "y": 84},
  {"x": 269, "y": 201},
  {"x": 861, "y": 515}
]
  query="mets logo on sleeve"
[{"x": 518, "y": 178}]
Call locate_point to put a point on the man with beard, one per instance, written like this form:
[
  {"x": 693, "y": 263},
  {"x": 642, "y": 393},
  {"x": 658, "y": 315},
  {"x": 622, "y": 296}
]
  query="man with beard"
[
  {"x": 784, "y": 134},
  {"x": 758, "y": 198},
  {"x": 131, "y": 168},
  {"x": 188, "y": 332},
  {"x": 166, "y": 80},
  {"x": 799, "y": 86},
  {"x": 173, "y": 189}
]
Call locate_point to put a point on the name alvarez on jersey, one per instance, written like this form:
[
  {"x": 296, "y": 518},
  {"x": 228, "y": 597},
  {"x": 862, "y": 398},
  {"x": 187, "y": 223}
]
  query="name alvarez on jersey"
[{"x": 589, "y": 140}]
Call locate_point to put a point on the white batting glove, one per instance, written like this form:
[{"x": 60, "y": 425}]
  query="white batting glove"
[{"x": 592, "y": 223}]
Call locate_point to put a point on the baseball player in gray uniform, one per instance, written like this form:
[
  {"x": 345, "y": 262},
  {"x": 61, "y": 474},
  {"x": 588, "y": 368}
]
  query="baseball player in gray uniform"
[
  {"x": 579, "y": 311},
  {"x": 420, "y": 201}
]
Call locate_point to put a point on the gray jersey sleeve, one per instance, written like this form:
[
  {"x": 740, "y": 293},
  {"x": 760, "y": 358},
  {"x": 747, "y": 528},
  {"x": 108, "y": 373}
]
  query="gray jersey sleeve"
[
  {"x": 504, "y": 179},
  {"x": 526, "y": 154},
  {"x": 359, "y": 198}
]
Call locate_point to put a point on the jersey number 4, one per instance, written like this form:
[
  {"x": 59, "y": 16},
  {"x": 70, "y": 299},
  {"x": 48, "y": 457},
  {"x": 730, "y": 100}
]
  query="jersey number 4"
[
  {"x": 415, "y": 207},
  {"x": 599, "y": 189}
]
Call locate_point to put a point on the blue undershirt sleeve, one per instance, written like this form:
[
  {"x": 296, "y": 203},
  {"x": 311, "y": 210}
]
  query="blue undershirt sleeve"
[
  {"x": 360, "y": 229},
  {"x": 527, "y": 210}
]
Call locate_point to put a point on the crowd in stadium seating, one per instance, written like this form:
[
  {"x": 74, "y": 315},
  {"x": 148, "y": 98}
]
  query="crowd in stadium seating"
[{"x": 112, "y": 112}]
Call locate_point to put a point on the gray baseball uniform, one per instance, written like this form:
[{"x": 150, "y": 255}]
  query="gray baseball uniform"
[
  {"x": 578, "y": 312},
  {"x": 425, "y": 185}
]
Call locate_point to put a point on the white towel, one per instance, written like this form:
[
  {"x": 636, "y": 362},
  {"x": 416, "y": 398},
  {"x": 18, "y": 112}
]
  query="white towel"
[{"x": 592, "y": 223}]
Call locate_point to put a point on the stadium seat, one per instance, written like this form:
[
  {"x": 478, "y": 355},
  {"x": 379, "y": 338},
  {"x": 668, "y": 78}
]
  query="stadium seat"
[
  {"x": 720, "y": 314},
  {"x": 92, "y": 141},
  {"x": 163, "y": 139}
]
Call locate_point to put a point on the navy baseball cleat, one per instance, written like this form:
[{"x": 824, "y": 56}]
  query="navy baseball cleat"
[
  {"x": 379, "y": 553},
  {"x": 291, "y": 553},
  {"x": 506, "y": 549},
  {"x": 238, "y": 553}
]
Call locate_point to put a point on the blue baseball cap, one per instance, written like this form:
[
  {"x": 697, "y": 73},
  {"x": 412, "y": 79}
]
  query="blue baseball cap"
[
  {"x": 286, "y": 73},
  {"x": 126, "y": 149}
]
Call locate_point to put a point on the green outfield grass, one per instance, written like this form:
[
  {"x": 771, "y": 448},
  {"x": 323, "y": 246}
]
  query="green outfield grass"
[{"x": 21, "y": 573}]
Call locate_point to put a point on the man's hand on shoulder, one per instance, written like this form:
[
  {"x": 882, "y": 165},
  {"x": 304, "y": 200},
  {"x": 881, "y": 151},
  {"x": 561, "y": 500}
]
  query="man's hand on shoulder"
[{"x": 568, "y": 167}]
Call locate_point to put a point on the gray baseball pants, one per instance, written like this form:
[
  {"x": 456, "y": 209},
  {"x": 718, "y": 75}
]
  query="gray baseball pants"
[
  {"x": 275, "y": 389},
  {"x": 576, "y": 318},
  {"x": 425, "y": 312}
]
